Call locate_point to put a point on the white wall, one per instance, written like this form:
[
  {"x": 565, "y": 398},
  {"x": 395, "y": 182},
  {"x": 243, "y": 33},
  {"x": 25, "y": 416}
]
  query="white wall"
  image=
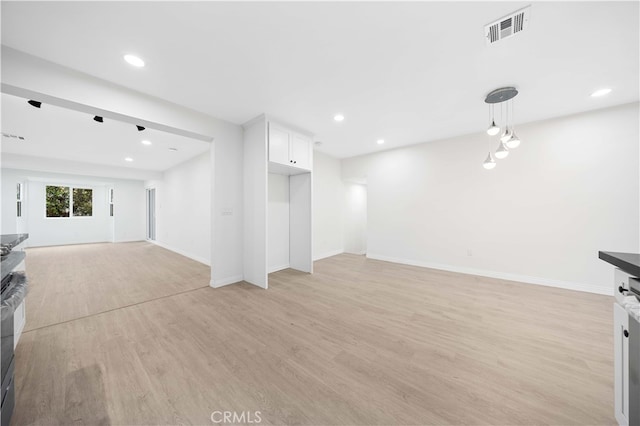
[
  {"x": 227, "y": 205},
  {"x": 183, "y": 208},
  {"x": 128, "y": 210},
  {"x": 355, "y": 218},
  {"x": 126, "y": 225},
  {"x": 11, "y": 224},
  {"x": 328, "y": 206},
  {"x": 570, "y": 189},
  {"x": 278, "y": 222}
]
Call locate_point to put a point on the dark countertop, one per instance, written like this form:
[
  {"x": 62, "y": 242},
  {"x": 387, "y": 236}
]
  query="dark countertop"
[
  {"x": 628, "y": 262},
  {"x": 13, "y": 239}
]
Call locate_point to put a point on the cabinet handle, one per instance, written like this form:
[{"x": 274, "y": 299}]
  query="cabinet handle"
[
  {"x": 622, "y": 289},
  {"x": 626, "y": 333}
]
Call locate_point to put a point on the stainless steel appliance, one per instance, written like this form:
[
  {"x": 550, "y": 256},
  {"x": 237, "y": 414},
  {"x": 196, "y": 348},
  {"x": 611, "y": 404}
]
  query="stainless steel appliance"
[{"x": 12, "y": 293}]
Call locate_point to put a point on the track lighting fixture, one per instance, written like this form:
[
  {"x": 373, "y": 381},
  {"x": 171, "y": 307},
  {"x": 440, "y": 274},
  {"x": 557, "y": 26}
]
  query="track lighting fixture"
[
  {"x": 140, "y": 128},
  {"x": 34, "y": 103},
  {"x": 508, "y": 138},
  {"x": 98, "y": 119}
]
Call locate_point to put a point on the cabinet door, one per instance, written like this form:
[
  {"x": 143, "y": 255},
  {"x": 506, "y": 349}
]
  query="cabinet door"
[
  {"x": 301, "y": 151},
  {"x": 279, "y": 140},
  {"x": 621, "y": 364}
]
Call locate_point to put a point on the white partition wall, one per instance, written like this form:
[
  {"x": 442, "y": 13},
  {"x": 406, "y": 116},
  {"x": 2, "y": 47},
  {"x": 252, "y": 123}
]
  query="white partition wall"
[
  {"x": 286, "y": 154},
  {"x": 255, "y": 203}
]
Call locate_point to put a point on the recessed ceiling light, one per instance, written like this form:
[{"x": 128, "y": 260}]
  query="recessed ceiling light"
[
  {"x": 338, "y": 117},
  {"x": 128, "y": 159},
  {"x": 173, "y": 149},
  {"x": 380, "y": 141},
  {"x": 134, "y": 60},
  {"x": 600, "y": 92},
  {"x": 145, "y": 142}
]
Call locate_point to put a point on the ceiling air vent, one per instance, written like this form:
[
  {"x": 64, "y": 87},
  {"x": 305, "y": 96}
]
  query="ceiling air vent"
[{"x": 507, "y": 26}]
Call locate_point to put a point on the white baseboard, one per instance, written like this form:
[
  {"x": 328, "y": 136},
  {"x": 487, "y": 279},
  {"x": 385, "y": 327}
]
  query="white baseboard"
[
  {"x": 328, "y": 254},
  {"x": 225, "y": 281},
  {"x": 278, "y": 268},
  {"x": 181, "y": 252},
  {"x": 567, "y": 285}
]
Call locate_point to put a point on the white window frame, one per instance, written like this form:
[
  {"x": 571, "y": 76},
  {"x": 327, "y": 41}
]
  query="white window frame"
[{"x": 71, "y": 215}]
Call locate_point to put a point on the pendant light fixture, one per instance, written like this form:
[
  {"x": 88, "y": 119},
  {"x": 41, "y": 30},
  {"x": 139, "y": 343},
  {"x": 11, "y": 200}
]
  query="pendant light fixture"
[
  {"x": 505, "y": 135},
  {"x": 493, "y": 128},
  {"x": 489, "y": 163},
  {"x": 513, "y": 142},
  {"x": 502, "y": 151},
  {"x": 508, "y": 138}
]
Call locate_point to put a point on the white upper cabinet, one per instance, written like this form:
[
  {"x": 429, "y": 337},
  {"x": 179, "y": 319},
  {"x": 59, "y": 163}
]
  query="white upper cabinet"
[
  {"x": 301, "y": 151},
  {"x": 289, "y": 148},
  {"x": 279, "y": 141}
]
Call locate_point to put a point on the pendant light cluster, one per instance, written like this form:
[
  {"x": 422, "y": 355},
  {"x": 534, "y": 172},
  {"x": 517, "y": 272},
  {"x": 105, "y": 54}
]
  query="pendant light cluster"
[{"x": 508, "y": 138}]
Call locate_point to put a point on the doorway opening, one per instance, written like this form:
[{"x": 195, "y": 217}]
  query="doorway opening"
[{"x": 356, "y": 218}]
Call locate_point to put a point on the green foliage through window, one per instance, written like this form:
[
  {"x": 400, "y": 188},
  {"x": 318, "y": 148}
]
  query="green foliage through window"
[
  {"x": 62, "y": 200},
  {"x": 82, "y": 202},
  {"x": 57, "y": 201}
]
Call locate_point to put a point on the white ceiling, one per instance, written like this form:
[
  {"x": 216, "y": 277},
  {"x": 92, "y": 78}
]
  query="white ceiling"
[
  {"x": 407, "y": 72},
  {"x": 54, "y": 132}
]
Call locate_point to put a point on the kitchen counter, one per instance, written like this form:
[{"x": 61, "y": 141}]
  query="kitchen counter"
[
  {"x": 13, "y": 239},
  {"x": 628, "y": 262},
  {"x": 13, "y": 259}
]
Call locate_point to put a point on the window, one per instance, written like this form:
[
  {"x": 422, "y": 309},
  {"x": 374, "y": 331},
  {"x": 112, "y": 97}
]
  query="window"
[
  {"x": 19, "y": 200},
  {"x": 58, "y": 201},
  {"x": 110, "y": 201},
  {"x": 82, "y": 202},
  {"x": 63, "y": 201}
]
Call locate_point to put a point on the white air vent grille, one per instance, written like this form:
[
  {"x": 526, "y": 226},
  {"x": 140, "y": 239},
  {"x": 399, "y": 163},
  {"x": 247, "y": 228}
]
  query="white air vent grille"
[{"x": 507, "y": 26}]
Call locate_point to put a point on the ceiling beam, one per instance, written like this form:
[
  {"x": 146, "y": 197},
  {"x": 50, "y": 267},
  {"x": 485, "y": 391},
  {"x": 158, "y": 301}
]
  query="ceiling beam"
[{"x": 31, "y": 77}]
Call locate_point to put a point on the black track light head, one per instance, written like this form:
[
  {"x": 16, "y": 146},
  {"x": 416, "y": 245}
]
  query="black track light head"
[
  {"x": 34, "y": 103},
  {"x": 140, "y": 128},
  {"x": 98, "y": 119}
]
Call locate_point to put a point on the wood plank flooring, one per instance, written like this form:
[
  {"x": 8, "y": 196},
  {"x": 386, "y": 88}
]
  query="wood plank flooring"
[
  {"x": 70, "y": 282},
  {"x": 358, "y": 342}
]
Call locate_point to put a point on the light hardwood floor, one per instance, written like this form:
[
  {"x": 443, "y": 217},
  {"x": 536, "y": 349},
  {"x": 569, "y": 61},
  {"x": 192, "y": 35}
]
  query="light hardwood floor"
[
  {"x": 70, "y": 282},
  {"x": 358, "y": 342}
]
